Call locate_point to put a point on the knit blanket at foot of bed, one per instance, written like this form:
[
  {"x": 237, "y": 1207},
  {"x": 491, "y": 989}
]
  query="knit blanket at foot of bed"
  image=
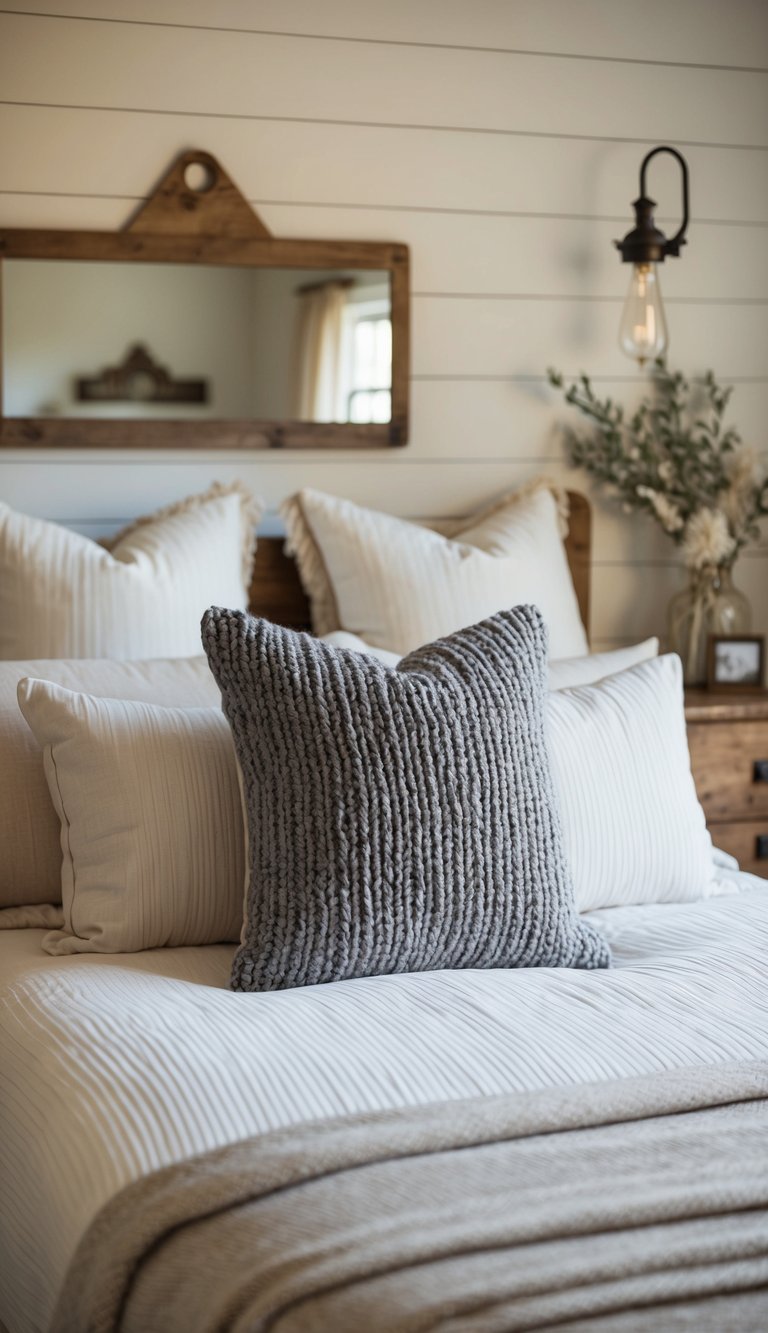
[{"x": 640, "y": 1204}]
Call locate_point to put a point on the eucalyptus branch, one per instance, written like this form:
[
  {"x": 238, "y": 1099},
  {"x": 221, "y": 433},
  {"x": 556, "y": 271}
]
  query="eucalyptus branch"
[{"x": 672, "y": 457}]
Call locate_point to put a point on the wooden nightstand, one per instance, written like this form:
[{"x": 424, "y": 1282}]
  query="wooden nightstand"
[{"x": 728, "y": 738}]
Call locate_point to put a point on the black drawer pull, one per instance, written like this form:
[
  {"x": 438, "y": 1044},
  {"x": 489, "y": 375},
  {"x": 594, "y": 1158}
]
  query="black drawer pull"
[
  {"x": 761, "y": 847},
  {"x": 760, "y": 771}
]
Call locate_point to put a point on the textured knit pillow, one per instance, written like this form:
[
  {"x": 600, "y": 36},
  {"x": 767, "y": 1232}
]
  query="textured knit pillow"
[
  {"x": 152, "y": 839},
  {"x": 563, "y": 674},
  {"x": 63, "y": 595},
  {"x": 633, "y": 827},
  {"x": 398, "y": 585},
  {"x": 399, "y": 819}
]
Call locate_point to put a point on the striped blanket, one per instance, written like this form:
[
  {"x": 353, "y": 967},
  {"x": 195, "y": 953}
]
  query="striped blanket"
[{"x": 632, "y": 1204}]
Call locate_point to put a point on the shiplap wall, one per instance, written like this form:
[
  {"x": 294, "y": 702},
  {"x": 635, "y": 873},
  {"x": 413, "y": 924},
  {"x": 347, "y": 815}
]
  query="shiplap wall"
[{"x": 501, "y": 140}]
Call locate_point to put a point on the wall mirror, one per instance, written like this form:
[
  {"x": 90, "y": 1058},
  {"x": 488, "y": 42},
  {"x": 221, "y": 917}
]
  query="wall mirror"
[{"x": 194, "y": 327}]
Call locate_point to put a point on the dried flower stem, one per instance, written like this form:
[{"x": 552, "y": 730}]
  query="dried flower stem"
[{"x": 672, "y": 459}]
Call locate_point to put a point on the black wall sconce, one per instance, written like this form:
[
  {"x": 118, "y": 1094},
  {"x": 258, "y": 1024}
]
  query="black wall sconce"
[{"x": 643, "y": 329}]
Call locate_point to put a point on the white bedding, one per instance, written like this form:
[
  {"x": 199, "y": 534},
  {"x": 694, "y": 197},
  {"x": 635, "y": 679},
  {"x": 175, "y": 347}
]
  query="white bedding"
[{"x": 112, "y": 1066}]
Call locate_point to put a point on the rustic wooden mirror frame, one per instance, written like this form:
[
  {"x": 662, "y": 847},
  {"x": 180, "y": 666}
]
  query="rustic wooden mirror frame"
[{"x": 213, "y": 224}]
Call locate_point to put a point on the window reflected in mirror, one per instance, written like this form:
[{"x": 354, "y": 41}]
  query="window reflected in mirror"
[{"x": 196, "y": 341}]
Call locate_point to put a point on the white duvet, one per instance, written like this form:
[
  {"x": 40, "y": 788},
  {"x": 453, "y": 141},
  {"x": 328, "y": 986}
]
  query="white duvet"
[{"x": 112, "y": 1066}]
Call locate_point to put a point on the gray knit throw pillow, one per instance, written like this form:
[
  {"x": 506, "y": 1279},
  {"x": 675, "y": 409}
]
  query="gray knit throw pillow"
[{"x": 401, "y": 819}]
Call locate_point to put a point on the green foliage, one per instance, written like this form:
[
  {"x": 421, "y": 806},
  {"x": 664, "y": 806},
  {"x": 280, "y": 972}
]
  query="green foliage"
[{"x": 672, "y": 457}]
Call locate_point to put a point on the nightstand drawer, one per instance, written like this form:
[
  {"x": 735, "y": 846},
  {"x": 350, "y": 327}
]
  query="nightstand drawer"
[
  {"x": 730, "y": 766},
  {"x": 743, "y": 840}
]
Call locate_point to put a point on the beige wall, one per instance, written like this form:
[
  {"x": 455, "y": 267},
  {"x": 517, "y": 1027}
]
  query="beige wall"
[{"x": 501, "y": 141}]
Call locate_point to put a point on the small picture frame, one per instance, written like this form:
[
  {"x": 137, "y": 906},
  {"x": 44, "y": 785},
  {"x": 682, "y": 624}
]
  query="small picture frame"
[{"x": 736, "y": 663}]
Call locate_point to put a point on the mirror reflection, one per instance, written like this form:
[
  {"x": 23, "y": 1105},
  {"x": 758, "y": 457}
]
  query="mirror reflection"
[{"x": 169, "y": 341}]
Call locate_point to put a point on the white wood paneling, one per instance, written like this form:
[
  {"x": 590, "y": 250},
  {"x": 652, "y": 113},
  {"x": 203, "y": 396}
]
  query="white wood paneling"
[
  {"x": 560, "y": 257},
  {"x": 41, "y": 149},
  {"x": 508, "y": 171},
  {"x": 110, "y": 486},
  {"x": 483, "y": 336},
  {"x": 686, "y": 31},
  {"x": 96, "y": 64},
  {"x": 554, "y": 257}
]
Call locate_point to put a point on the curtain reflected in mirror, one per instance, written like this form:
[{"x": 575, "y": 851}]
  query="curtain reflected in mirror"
[
  {"x": 266, "y": 344},
  {"x": 344, "y": 351}
]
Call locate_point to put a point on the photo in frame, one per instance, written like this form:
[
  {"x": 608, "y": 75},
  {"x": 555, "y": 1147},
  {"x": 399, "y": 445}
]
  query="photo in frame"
[{"x": 736, "y": 662}]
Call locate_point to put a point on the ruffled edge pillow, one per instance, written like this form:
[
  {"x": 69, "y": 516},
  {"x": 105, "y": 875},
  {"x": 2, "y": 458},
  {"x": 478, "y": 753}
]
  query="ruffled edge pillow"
[
  {"x": 138, "y": 595},
  {"x": 399, "y": 584}
]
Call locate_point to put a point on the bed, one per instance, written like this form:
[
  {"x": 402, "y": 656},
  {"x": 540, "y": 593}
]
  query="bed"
[
  {"x": 114, "y": 1067},
  {"x": 121, "y": 1070}
]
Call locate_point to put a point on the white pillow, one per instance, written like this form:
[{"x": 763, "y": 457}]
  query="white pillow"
[
  {"x": 568, "y": 671},
  {"x": 151, "y": 822},
  {"x": 399, "y": 585},
  {"x": 571, "y": 671},
  {"x": 633, "y": 826},
  {"x": 30, "y": 852},
  {"x": 340, "y": 638},
  {"x": 63, "y": 595}
]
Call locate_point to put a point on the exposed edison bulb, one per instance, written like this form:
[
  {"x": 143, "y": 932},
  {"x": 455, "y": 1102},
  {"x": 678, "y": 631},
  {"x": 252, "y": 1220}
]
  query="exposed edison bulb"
[{"x": 643, "y": 328}]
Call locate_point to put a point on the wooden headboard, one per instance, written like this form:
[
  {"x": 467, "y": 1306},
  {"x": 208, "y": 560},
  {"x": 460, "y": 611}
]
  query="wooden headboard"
[{"x": 277, "y": 594}]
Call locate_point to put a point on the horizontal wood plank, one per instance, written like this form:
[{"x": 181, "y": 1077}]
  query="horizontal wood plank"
[
  {"x": 689, "y": 32},
  {"x": 482, "y": 336},
  {"x": 96, "y": 65},
  {"x": 333, "y": 164},
  {"x": 552, "y": 258}
]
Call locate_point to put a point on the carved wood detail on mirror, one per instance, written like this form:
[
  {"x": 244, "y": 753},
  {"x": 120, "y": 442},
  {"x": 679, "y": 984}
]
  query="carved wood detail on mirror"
[
  {"x": 139, "y": 378},
  {"x": 300, "y": 343}
]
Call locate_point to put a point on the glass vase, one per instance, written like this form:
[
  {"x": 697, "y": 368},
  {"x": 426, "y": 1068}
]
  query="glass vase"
[{"x": 710, "y": 604}]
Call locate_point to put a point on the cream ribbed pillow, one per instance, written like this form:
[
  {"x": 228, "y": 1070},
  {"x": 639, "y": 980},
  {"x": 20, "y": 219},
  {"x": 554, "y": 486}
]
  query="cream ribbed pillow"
[
  {"x": 63, "y": 595},
  {"x": 399, "y": 585},
  {"x": 568, "y": 672},
  {"x": 633, "y": 827},
  {"x": 30, "y": 850},
  {"x": 151, "y": 822}
]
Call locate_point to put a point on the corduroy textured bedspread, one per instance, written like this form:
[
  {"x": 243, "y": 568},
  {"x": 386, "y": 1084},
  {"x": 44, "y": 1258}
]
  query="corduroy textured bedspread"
[{"x": 625, "y": 1205}]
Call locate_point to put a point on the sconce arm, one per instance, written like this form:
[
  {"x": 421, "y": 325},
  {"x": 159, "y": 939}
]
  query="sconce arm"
[{"x": 672, "y": 246}]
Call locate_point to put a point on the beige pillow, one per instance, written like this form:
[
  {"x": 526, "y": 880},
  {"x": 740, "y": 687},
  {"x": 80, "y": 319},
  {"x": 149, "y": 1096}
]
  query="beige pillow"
[
  {"x": 30, "y": 851},
  {"x": 399, "y": 585},
  {"x": 151, "y": 822},
  {"x": 63, "y": 595}
]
